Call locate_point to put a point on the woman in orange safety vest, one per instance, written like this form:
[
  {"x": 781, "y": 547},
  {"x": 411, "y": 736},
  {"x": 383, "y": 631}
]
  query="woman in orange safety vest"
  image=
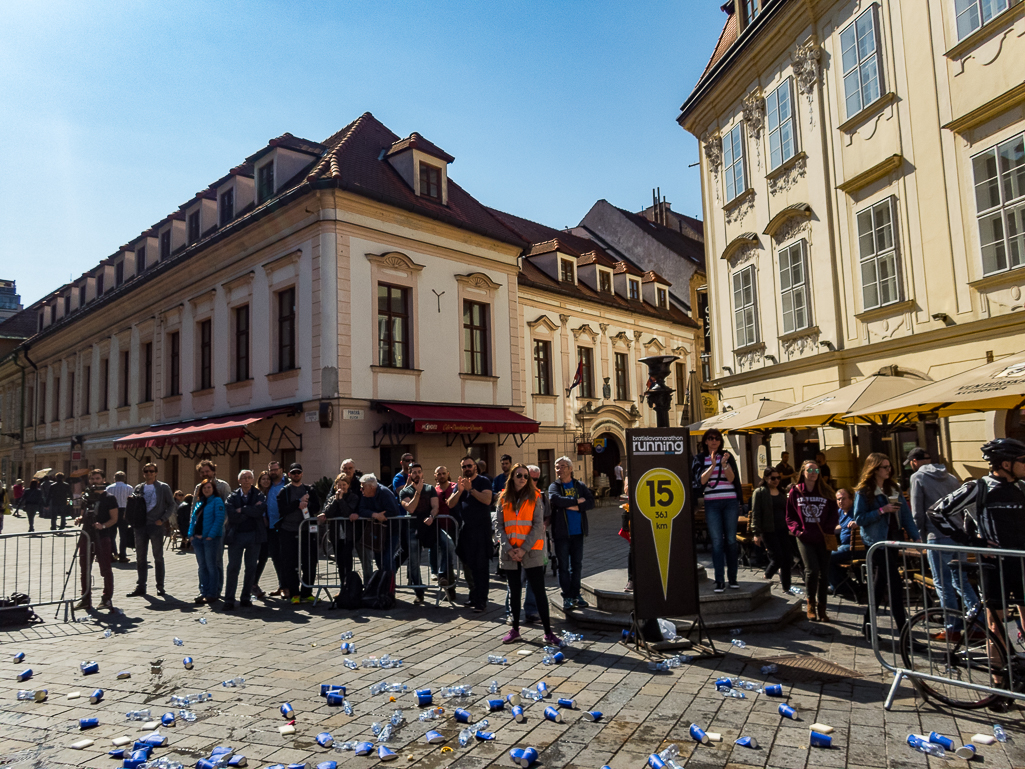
[{"x": 522, "y": 531}]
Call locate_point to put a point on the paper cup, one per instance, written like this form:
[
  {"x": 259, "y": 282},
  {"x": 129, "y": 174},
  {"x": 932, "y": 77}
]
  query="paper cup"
[{"x": 820, "y": 740}]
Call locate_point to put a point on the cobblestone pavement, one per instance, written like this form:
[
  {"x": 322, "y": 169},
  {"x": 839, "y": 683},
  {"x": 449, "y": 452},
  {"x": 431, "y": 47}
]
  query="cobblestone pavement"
[{"x": 285, "y": 652}]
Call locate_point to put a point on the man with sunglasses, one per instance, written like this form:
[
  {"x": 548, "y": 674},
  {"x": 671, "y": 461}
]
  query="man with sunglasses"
[
  {"x": 471, "y": 503},
  {"x": 159, "y": 505},
  {"x": 296, "y": 502}
]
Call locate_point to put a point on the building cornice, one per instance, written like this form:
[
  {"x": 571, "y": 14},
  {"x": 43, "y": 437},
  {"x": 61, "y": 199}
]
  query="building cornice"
[{"x": 988, "y": 111}]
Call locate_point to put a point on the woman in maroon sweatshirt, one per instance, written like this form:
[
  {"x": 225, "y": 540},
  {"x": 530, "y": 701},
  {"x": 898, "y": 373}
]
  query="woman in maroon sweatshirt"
[{"x": 812, "y": 512}]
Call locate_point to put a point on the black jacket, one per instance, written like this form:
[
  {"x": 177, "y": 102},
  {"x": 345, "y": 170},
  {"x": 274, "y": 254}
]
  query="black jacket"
[
  {"x": 697, "y": 466},
  {"x": 560, "y": 525},
  {"x": 246, "y": 513},
  {"x": 290, "y": 516}
]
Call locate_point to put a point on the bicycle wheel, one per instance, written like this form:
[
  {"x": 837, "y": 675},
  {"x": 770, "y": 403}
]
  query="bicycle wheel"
[{"x": 926, "y": 646}]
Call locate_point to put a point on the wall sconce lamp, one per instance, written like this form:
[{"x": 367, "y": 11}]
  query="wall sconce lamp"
[
  {"x": 772, "y": 358},
  {"x": 942, "y": 316},
  {"x": 828, "y": 345},
  {"x": 728, "y": 370}
]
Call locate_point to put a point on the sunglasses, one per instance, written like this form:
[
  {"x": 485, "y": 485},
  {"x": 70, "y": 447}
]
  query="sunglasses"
[
  {"x": 885, "y": 467},
  {"x": 149, "y": 472},
  {"x": 467, "y": 467},
  {"x": 775, "y": 477},
  {"x": 296, "y": 472},
  {"x": 812, "y": 471},
  {"x": 520, "y": 475}
]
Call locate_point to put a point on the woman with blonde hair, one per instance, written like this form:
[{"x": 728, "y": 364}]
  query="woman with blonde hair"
[
  {"x": 812, "y": 517},
  {"x": 522, "y": 533}
]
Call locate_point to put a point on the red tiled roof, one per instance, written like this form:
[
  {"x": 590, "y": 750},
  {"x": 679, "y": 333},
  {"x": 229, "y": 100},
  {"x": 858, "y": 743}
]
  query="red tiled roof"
[
  {"x": 653, "y": 277},
  {"x": 544, "y": 239},
  {"x": 598, "y": 256},
  {"x": 417, "y": 142},
  {"x": 355, "y": 161},
  {"x": 727, "y": 37},
  {"x": 626, "y": 267}
]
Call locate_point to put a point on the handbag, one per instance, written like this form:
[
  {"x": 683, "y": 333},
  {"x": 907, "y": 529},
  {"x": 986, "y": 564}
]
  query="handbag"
[{"x": 831, "y": 541}]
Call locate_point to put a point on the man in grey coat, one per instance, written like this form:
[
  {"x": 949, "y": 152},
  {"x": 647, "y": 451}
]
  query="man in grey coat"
[
  {"x": 930, "y": 483},
  {"x": 159, "y": 506}
]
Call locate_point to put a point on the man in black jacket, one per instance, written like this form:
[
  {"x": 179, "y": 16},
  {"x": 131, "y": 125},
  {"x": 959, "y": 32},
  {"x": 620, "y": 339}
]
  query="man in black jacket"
[
  {"x": 245, "y": 532},
  {"x": 296, "y": 503},
  {"x": 60, "y": 494},
  {"x": 149, "y": 534},
  {"x": 570, "y": 502}
]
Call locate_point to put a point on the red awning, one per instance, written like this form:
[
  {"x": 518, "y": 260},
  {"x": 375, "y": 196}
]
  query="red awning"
[
  {"x": 463, "y": 419},
  {"x": 223, "y": 428}
]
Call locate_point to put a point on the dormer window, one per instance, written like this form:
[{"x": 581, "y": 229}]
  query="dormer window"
[
  {"x": 227, "y": 205},
  {"x": 566, "y": 271},
  {"x": 119, "y": 273},
  {"x": 67, "y": 305},
  {"x": 634, "y": 290},
  {"x": 140, "y": 260},
  {"x": 430, "y": 181},
  {"x": 99, "y": 284},
  {"x": 662, "y": 298},
  {"x": 264, "y": 182},
  {"x": 193, "y": 228},
  {"x": 81, "y": 295},
  {"x": 165, "y": 244},
  {"x": 604, "y": 282}
]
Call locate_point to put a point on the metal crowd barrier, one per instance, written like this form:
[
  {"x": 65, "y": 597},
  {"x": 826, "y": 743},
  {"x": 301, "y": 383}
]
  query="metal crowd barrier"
[
  {"x": 44, "y": 566},
  {"x": 391, "y": 545},
  {"x": 962, "y": 642}
]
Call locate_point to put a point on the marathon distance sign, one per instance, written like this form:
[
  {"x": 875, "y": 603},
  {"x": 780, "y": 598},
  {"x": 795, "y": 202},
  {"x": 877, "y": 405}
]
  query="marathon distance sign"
[{"x": 662, "y": 523}]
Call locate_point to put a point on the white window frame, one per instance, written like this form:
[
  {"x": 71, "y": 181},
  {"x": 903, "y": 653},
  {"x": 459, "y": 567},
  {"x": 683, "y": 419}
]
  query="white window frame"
[
  {"x": 863, "y": 67},
  {"x": 878, "y": 248},
  {"x": 976, "y": 14},
  {"x": 1006, "y": 186},
  {"x": 794, "y": 286},
  {"x": 734, "y": 171},
  {"x": 745, "y": 307},
  {"x": 779, "y": 115},
  {"x": 633, "y": 289}
]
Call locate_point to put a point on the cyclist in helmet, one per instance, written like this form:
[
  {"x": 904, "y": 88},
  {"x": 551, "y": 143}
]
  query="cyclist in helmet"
[{"x": 990, "y": 512}]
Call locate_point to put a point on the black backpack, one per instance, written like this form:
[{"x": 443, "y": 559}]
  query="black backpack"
[
  {"x": 16, "y": 610},
  {"x": 380, "y": 590},
  {"x": 351, "y": 596}
]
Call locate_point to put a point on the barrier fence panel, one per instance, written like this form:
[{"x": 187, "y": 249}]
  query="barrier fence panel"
[
  {"x": 953, "y": 627},
  {"x": 413, "y": 551},
  {"x": 44, "y": 566}
]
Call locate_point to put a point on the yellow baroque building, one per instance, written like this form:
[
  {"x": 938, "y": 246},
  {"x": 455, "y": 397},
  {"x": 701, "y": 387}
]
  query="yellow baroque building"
[{"x": 863, "y": 180}]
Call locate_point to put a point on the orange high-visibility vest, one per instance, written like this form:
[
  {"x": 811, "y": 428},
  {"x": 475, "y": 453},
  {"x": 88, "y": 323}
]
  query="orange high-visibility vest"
[{"x": 518, "y": 522}]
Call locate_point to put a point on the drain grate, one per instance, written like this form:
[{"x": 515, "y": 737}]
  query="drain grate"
[{"x": 806, "y": 668}]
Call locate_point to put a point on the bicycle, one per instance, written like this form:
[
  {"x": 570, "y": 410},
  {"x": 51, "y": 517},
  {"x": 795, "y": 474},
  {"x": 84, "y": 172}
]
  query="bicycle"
[{"x": 973, "y": 654}]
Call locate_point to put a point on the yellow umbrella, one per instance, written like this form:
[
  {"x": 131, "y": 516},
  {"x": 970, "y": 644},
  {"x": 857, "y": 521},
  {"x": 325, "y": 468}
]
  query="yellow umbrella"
[
  {"x": 737, "y": 421},
  {"x": 828, "y": 409},
  {"x": 40, "y": 474},
  {"x": 997, "y": 385}
]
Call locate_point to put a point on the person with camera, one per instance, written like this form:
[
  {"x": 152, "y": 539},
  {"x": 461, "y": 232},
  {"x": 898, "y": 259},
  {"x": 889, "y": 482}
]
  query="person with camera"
[
  {"x": 98, "y": 522},
  {"x": 715, "y": 477}
]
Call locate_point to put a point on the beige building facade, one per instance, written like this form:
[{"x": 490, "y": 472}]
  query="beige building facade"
[
  {"x": 863, "y": 176},
  {"x": 324, "y": 301}
]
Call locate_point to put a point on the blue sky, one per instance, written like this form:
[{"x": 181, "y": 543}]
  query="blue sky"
[{"x": 116, "y": 113}]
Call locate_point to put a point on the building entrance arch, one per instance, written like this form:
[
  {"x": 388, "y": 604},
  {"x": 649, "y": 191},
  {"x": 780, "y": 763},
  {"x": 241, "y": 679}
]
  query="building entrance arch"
[{"x": 608, "y": 451}]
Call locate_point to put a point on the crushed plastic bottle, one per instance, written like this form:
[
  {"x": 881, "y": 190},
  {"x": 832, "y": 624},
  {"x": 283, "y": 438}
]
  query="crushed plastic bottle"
[
  {"x": 452, "y": 692},
  {"x": 233, "y": 682},
  {"x": 796, "y": 591},
  {"x": 432, "y": 714},
  {"x": 465, "y": 737},
  {"x": 396, "y": 718},
  {"x": 668, "y": 630},
  {"x": 36, "y": 695},
  {"x": 376, "y": 728},
  {"x": 391, "y": 663},
  {"x": 669, "y": 754},
  {"x": 370, "y": 662},
  {"x": 769, "y": 669},
  {"x": 186, "y": 715},
  {"x": 138, "y": 715},
  {"x": 923, "y": 745},
  {"x": 531, "y": 694},
  {"x": 378, "y": 688},
  {"x": 735, "y": 693},
  {"x": 202, "y": 620},
  {"x": 346, "y": 707},
  {"x": 738, "y": 643},
  {"x": 999, "y": 733},
  {"x": 108, "y": 633},
  {"x": 344, "y": 746},
  {"x": 401, "y": 688},
  {"x": 351, "y": 665},
  {"x": 495, "y": 659},
  {"x": 178, "y": 641},
  {"x": 568, "y": 637},
  {"x": 493, "y": 687},
  {"x": 385, "y": 734},
  {"x": 661, "y": 667},
  {"x": 346, "y": 635}
]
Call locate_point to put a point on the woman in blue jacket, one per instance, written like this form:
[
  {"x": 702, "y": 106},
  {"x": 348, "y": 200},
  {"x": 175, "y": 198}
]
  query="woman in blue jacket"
[
  {"x": 882, "y": 513},
  {"x": 206, "y": 530}
]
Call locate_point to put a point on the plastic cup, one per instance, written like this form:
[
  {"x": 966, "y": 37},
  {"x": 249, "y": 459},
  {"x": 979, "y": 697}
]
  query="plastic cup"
[
  {"x": 96, "y": 696},
  {"x": 88, "y": 723},
  {"x": 566, "y": 702},
  {"x": 325, "y": 688},
  {"x": 424, "y": 697},
  {"x": 774, "y": 690},
  {"x": 517, "y": 714},
  {"x": 364, "y": 748},
  {"x": 286, "y": 710},
  {"x": 945, "y": 742},
  {"x": 525, "y": 758},
  {"x": 92, "y": 667},
  {"x": 698, "y": 734},
  {"x": 325, "y": 740},
  {"x": 463, "y": 715},
  {"x": 433, "y": 737},
  {"x": 551, "y": 714},
  {"x": 966, "y": 752},
  {"x": 786, "y": 711},
  {"x": 820, "y": 740},
  {"x": 335, "y": 698},
  {"x": 496, "y": 704},
  {"x": 187, "y": 662},
  {"x": 592, "y": 715},
  {"x": 747, "y": 742}
]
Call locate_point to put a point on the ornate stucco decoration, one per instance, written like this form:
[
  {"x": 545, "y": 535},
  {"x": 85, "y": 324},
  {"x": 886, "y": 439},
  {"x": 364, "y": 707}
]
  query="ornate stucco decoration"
[
  {"x": 585, "y": 329},
  {"x": 741, "y": 249},
  {"x": 712, "y": 143},
  {"x": 621, "y": 339},
  {"x": 784, "y": 181},
  {"x": 801, "y": 344},
  {"x": 479, "y": 281},
  {"x": 749, "y": 359},
  {"x": 741, "y": 209},
  {"x": 806, "y": 71},
  {"x": 790, "y": 229},
  {"x": 753, "y": 110}
]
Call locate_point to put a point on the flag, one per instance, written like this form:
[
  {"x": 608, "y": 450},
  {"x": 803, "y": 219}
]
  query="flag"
[
  {"x": 649, "y": 385},
  {"x": 578, "y": 378}
]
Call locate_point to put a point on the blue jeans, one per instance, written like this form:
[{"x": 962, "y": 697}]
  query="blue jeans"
[
  {"x": 209, "y": 556},
  {"x": 721, "y": 518},
  {"x": 570, "y": 552},
  {"x": 948, "y": 581}
]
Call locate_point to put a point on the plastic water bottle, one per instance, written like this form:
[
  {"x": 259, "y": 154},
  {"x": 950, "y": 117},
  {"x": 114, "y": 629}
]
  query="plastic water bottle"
[
  {"x": 769, "y": 669},
  {"x": 396, "y": 718},
  {"x": 572, "y": 637},
  {"x": 38, "y": 695},
  {"x": 233, "y": 682},
  {"x": 186, "y": 715},
  {"x": 346, "y": 707},
  {"x": 108, "y": 633},
  {"x": 685, "y": 659},
  {"x": 348, "y": 745},
  {"x": 398, "y": 688},
  {"x": 735, "y": 693},
  {"x": 493, "y": 687},
  {"x": 351, "y": 665},
  {"x": 738, "y": 643},
  {"x": 202, "y": 620},
  {"x": 660, "y": 667},
  {"x": 465, "y": 737},
  {"x": 548, "y": 659},
  {"x": 494, "y": 659},
  {"x": 376, "y": 728},
  {"x": 378, "y": 688},
  {"x": 999, "y": 733},
  {"x": 138, "y": 715},
  {"x": 178, "y": 641},
  {"x": 346, "y": 635},
  {"x": 385, "y": 734},
  {"x": 924, "y": 746}
]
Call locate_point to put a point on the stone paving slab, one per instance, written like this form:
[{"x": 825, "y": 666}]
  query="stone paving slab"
[{"x": 285, "y": 652}]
